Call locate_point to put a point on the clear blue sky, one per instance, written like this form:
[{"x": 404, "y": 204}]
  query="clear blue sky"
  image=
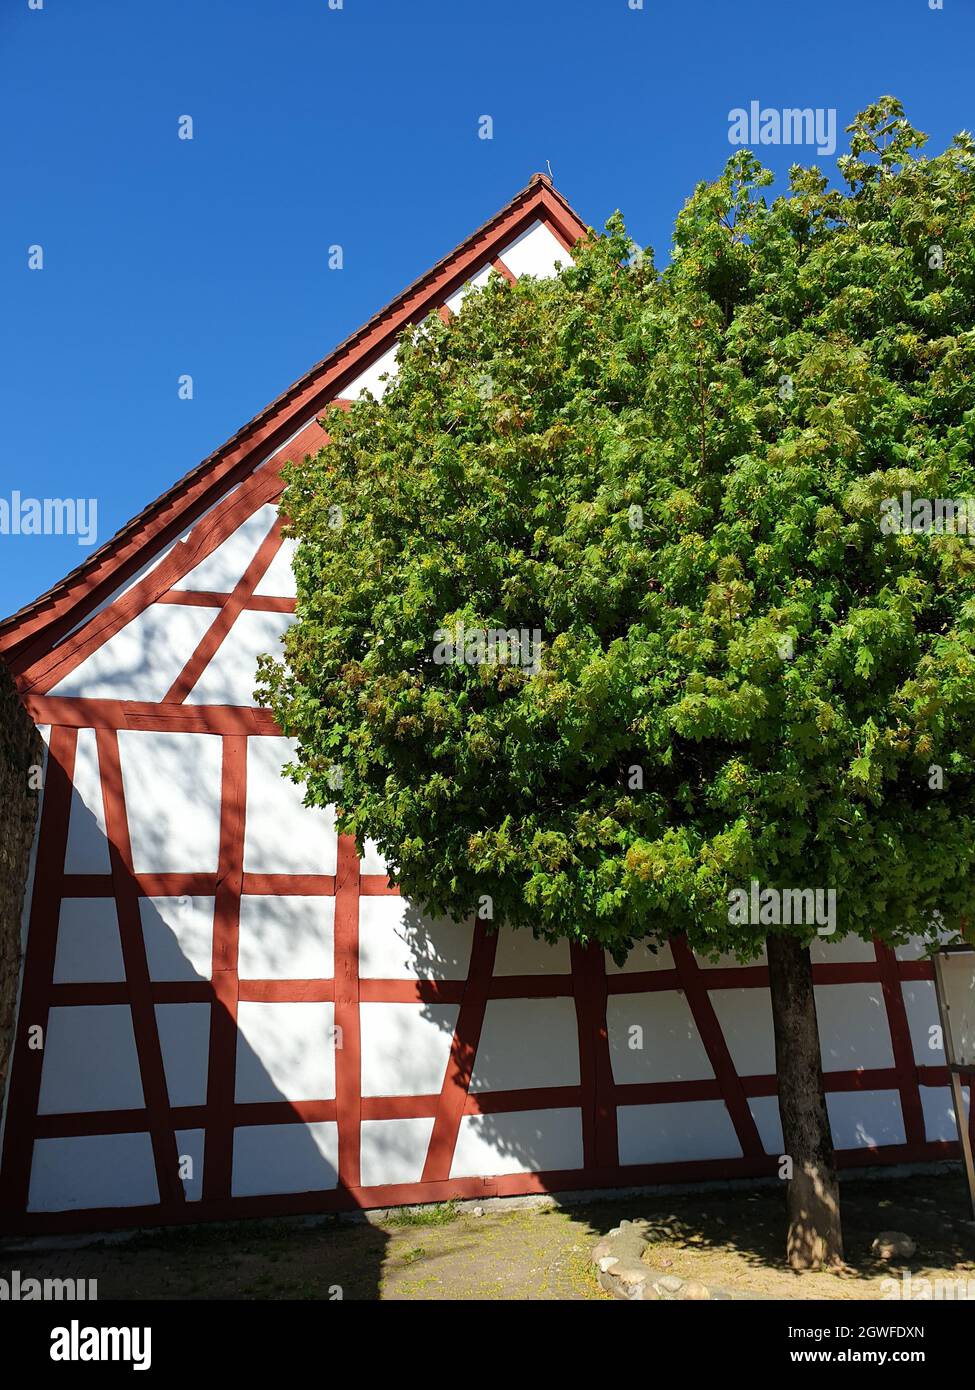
[{"x": 358, "y": 126}]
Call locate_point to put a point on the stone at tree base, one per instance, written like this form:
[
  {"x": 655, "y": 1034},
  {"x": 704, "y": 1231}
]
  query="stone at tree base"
[
  {"x": 693, "y": 1291},
  {"x": 639, "y": 1291},
  {"x": 669, "y": 1283},
  {"x": 893, "y": 1245},
  {"x": 626, "y": 1247}
]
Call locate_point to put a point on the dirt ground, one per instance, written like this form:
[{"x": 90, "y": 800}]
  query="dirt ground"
[{"x": 733, "y": 1239}]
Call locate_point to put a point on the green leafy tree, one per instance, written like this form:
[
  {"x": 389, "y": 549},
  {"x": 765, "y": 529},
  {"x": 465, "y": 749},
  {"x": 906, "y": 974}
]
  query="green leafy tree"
[{"x": 750, "y": 668}]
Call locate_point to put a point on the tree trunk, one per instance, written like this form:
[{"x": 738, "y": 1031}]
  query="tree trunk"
[{"x": 815, "y": 1235}]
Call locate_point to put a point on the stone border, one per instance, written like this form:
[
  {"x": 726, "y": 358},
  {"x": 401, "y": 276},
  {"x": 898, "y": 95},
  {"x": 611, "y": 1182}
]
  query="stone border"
[{"x": 618, "y": 1258}]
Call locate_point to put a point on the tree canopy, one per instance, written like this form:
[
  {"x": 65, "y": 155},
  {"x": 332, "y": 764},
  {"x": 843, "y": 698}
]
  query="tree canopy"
[{"x": 756, "y": 657}]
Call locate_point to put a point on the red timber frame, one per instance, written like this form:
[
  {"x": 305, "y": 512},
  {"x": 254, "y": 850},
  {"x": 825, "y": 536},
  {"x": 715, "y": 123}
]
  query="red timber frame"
[
  {"x": 597, "y": 1096},
  {"x": 53, "y": 637}
]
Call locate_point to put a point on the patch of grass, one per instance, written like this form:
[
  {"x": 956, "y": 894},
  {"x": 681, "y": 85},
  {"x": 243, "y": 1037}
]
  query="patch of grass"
[
  {"x": 440, "y": 1215},
  {"x": 411, "y": 1256}
]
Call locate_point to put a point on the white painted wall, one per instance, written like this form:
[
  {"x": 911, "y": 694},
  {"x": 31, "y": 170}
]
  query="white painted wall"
[
  {"x": 286, "y": 937},
  {"x": 398, "y": 942},
  {"x": 230, "y": 676},
  {"x": 675, "y": 1132},
  {"x": 87, "y": 851},
  {"x": 653, "y": 1037},
  {"x": 282, "y": 835},
  {"x": 285, "y": 1158},
  {"x": 89, "y": 946},
  {"x": 393, "y": 1150},
  {"x": 172, "y": 798},
  {"x": 100, "y": 1170},
  {"x": 405, "y": 1047},
  {"x": 90, "y": 1061},
  {"x": 285, "y": 1052},
  {"x": 143, "y": 659},
  {"x": 537, "y": 251},
  {"x": 224, "y": 567},
  {"x": 526, "y": 1043},
  {"x": 536, "y": 1141},
  {"x": 178, "y": 936}
]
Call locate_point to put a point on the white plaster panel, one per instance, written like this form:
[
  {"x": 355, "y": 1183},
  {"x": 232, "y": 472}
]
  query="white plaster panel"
[
  {"x": 537, "y": 251},
  {"x": 184, "y": 1038},
  {"x": 768, "y": 1122},
  {"x": 178, "y": 935},
  {"x": 372, "y": 862},
  {"x": 671, "y": 1048},
  {"x": 921, "y": 1007},
  {"x": 919, "y": 947},
  {"x": 676, "y": 1132},
  {"x": 520, "y": 953},
  {"x": 526, "y": 1043},
  {"x": 285, "y": 1051},
  {"x": 939, "y": 1112},
  {"x": 143, "y": 659},
  {"x": 89, "y": 946},
  {"x": 230, "y": 677},
  {"x": 865, "y": 1119},
  {"x": 90, "y": 1061},
  {"x": 285, "y": 1158},
  {"x": 221, "y": 570},
  {"x": 370, "y": 379},
  {"x": 286, "y": 938},
  {"x": 853, "y": 1029},
  {"x": 190, "y": 1144},
  {"x": 393, "y": 1150},
  {"x": 172, "y": 798},
  {"x": 642, "y": 958},
  {"x": 97, "y": 1170},
  {"x": 397, "y": 942},
  {"x": 829, "y": 950},
  {"x": 745, "y": 1016},
  {"x": 455, "y": 301},
  {"x": 87, "y": 849},
  {"x": 278, "y": 580},
  {"x": 405, "y": 1047},
  {"x": 281, "y": 835},
  {"x": 524, "y": 1141}
]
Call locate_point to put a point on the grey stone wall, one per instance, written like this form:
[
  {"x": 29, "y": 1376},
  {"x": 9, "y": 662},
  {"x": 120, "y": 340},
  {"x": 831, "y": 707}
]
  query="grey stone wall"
[{"x": 20, "y": 751}]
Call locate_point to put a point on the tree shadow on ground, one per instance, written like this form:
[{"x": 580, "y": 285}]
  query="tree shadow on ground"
[{"x": 748, "y": 1225}]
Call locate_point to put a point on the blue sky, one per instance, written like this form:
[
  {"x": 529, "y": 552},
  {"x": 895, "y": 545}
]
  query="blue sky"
[{"x": 357, "y": 126}]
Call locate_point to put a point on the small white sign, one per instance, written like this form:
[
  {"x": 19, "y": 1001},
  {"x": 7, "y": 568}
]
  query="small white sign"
[{"x": 958, "y": 992}]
